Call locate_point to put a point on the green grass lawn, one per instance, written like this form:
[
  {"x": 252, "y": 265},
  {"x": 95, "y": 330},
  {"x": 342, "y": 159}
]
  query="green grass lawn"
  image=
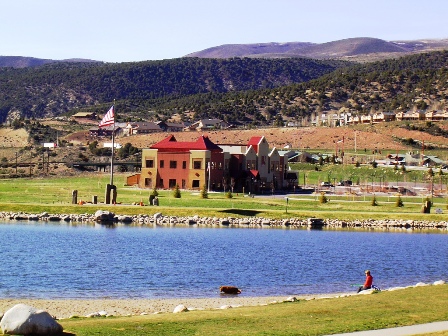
[
  {"x": 365, "y": 174},
  {"x": 54, "y": 195},
  {"x": 317, "y": 317}
]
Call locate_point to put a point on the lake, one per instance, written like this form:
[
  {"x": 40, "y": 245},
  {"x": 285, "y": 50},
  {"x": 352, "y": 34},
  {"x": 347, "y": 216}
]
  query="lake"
[{"x": 45, "y": 260}]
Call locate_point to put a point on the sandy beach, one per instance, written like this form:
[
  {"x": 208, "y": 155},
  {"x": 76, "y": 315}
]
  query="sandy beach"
[{"x": 65, "y": 308}]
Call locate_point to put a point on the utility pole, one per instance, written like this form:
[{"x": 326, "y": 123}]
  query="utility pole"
[{"x": 31, "y": 157}]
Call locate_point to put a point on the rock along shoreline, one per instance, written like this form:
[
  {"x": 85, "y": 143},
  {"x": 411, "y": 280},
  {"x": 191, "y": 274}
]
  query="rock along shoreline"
[{"x": 109, "y": 218}]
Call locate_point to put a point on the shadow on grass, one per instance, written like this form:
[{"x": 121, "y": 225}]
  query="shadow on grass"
[{"x": 241, "y": 212}]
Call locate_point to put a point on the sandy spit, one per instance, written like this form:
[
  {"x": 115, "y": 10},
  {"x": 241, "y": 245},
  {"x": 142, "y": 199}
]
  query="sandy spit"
[{"x": 65, "y": 308}]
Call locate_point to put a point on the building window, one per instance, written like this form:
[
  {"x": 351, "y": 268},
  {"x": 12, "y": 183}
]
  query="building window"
[
  {"x": 161, "y": 183},
  {"x": 172, "y": 183},
  {"x": 184, "y": 184},
  {"x": 162, "y": 163},
  {"x": 195, "y": 184},
  {"x": 197, "y": 164},
  {"x": 184, "y": 164},
  {"x": 173, "y": 164},
  {"x": 148, "y": 182},
  {"x": 149, "y": 163}
]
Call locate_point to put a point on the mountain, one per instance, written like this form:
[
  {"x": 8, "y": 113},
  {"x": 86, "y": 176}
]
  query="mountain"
[
  {"x": 56, "y": 88},
  {"x": 352, "y": 48},
  {"x": 417, "y": 81},
  {"x": 249, "y": 50},
  {"x": 250, "y": 91},
  {"x": 24, "y": 62}
]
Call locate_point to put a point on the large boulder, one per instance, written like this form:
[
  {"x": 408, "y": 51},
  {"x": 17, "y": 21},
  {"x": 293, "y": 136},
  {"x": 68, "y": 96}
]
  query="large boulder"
[
  {"x": 180, "y": 309},
  {"x": 103, "y": 216},
  {"x": 26, "y": 320}
]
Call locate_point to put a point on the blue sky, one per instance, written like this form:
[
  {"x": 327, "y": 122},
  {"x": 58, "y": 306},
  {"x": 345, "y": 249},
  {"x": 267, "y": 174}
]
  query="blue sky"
[{"x": 138, "y": 30}]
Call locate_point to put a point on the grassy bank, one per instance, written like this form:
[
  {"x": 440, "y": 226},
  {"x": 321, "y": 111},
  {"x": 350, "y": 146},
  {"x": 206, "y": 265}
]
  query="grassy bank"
[
  {"x": 317, "y": 317},
  {"x": 54, "y": 195}
]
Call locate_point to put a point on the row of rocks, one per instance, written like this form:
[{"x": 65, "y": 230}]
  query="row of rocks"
[{"x": 107, "y": 217}]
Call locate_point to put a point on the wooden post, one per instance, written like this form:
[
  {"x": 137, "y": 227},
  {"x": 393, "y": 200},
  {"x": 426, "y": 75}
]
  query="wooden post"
[
  {"x": 75, "y": 197},
  {"x": 111, "y": 194}
]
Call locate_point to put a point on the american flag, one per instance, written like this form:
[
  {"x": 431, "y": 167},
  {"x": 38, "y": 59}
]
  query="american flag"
[{"x": 109, "y": 118}]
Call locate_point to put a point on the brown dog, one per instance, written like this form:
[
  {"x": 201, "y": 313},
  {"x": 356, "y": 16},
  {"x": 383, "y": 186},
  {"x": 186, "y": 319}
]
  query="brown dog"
[{"x": 229, "y": 290}]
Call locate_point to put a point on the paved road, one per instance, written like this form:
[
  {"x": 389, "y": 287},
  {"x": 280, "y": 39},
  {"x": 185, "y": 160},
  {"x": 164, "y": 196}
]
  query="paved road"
[{"x": 403, "y": 331}]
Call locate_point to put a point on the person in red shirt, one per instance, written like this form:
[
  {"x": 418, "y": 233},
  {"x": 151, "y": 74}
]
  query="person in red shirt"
[{"x": 368, "y": 283}]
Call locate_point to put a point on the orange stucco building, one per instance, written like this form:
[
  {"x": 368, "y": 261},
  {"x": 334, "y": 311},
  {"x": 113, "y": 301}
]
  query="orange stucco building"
[{"x": 191, "y": 165}]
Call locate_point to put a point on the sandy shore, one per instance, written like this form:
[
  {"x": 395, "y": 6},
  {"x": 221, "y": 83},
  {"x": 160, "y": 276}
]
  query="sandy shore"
[{"x": 65, "y": 308}]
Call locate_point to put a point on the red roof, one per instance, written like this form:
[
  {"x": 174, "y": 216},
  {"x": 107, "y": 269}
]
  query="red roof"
[
  {"x": 171, "y": 144},
  {"x": 255, "y": 141}
]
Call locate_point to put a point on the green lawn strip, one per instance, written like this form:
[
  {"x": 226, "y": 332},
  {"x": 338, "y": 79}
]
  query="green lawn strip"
[
  {"x": 316, "y": 317},
  {"x": 54, "y": 195}
]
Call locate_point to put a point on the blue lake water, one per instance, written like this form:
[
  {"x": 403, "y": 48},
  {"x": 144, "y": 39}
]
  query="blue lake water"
[{"x": 44, "y": 260}]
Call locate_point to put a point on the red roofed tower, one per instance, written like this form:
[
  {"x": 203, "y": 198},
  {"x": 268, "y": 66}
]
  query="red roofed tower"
[{"x": 170, "y": 162}]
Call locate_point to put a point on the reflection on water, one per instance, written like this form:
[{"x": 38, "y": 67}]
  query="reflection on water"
[{"x": 89, "y": 261}]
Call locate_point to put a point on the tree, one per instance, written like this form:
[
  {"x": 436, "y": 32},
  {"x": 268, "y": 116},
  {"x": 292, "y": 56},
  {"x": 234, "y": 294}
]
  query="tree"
[
  {"x": 232, "y": 183},
  {"x": 399, "y": 202},
  {"x": 127, "y": 150},
  {"x": 176, "y": 191},
  {"x": 204, "y": 192},
  {"x": 224, "y": 183},
  {"x": 322, "y": 198},
  {"x": 426, "y": 208}
]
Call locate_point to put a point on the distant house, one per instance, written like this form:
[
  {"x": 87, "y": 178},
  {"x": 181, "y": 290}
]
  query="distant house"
[
  {"x": 353, "y": 120},
  {"x": 437, "y": 115},
  {"x": 84, "y": 116},
  {"x": 383, "y": 117},
  {"x": 141, "y": 128},
  {"x": 104, "y": 131},
  {"x": 410, "y": 115},
  {"x": 207, "y": 124},
  {"x": 170, "y": 126},
  {"x": 366, "y": 119}
]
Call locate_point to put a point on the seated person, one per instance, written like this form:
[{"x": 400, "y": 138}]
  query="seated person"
[{"x": 367, "y": 283}]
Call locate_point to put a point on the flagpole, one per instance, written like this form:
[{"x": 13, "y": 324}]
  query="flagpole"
[{"x": 113, "y": 147}]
